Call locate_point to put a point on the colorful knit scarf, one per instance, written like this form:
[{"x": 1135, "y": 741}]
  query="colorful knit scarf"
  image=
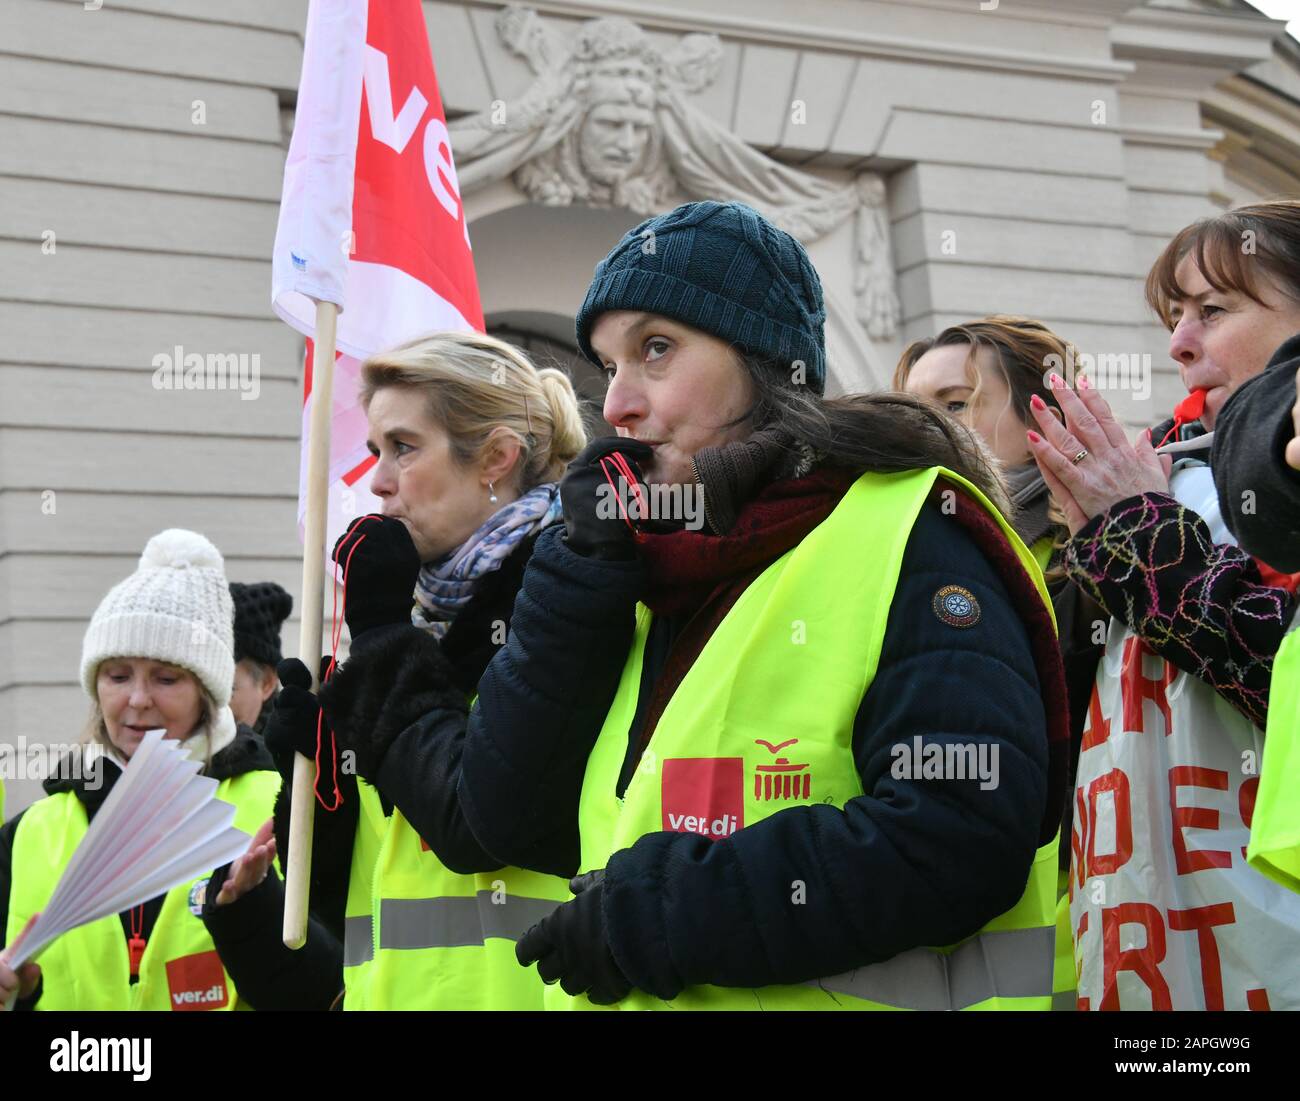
[{"x": 447, "y": 584}]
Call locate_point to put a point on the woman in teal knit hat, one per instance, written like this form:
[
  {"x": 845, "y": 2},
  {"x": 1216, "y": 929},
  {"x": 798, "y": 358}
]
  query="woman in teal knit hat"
[{"x": 801, "y": 747}]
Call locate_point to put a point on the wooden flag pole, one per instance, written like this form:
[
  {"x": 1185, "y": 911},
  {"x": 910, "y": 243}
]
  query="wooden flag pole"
[{"x": 302, "y": 806}]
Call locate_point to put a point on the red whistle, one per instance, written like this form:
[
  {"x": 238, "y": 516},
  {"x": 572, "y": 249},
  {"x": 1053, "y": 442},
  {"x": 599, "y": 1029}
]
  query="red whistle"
[
  {"x": 1186, "y": 411},
  {"x": 1190, "y": 408},
  {"x": 135, "y": 949}
]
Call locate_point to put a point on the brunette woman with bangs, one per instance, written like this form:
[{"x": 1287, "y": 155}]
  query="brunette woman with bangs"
[
  {"x": 986, "y": 374},
  {"x": 1167, "y": 913},
  {"x": 1257, "y": 430},
  {"x": 1256, "y": 465}
]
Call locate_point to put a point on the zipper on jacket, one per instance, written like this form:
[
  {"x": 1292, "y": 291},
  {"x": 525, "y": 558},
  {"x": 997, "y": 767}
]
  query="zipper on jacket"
[{"x": 704, "y": 498}]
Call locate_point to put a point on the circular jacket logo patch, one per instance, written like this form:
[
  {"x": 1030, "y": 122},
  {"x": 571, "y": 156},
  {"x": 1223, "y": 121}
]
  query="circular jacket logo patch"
[
  {"x": 956, "y": 606},
  {"x": 198, "y": 892}
]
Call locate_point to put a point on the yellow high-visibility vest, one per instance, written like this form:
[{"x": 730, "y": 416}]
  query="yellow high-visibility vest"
[
  {"x": 445, "y": 940},
  {"x": 358, "y": 928},
  {"x": 88, "y": 968},
  {"x": 1274, "y": 846},
  {"x": 790, "y": 664}
]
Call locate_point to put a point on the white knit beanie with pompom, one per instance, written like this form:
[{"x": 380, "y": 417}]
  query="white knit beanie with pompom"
[{"x": 176, "y": 608}]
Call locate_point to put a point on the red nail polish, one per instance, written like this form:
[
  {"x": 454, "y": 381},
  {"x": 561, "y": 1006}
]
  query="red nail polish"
[
  {"x": 1034, "y": 437},
  {"x": 1057, "y": 381},
  {"x": 1037, "y": 402}
]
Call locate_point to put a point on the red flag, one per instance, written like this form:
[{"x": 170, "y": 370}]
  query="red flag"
[{"x": 371, "y": 216}]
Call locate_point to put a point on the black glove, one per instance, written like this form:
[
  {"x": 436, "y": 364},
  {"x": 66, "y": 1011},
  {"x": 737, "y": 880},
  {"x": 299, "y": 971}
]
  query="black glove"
[
  {"x": 570, "y": 946},
  {"x": 291, "y": 725},
  {"x": 381, "y": 572},
  {"x": 400, "y": 675},
  {"x": 593, "y": 521}
]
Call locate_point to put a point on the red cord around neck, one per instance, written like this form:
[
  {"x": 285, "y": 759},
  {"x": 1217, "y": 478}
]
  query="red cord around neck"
[{"x": 336, "y": 635}]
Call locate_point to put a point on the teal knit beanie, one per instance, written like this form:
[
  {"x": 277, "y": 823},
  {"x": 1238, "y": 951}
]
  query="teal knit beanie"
[{"x": 721, "y": 268}]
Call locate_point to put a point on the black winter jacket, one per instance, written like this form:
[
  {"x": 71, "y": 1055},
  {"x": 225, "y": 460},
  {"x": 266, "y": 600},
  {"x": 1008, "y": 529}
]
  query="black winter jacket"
[
  {"x": 245, "y": 754},
  {"x": 248, "y": 930},
  {"x": 910, "y": 863},
  {"x": 1250, "y": 436}
]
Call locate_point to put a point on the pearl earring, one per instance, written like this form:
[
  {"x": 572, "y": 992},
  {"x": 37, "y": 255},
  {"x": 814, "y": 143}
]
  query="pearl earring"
[{"x": 492, "y": 494}]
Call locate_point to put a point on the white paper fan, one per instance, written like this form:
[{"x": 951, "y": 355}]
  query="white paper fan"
[{"x": 160, "y": 826}]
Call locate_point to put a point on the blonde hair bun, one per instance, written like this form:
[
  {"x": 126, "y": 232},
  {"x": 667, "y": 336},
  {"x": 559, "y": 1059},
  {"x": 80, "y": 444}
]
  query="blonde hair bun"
[{"x": 568, "y": 434}]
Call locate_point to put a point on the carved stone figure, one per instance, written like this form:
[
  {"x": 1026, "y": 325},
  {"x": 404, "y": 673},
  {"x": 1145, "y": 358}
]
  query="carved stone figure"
[{"x": 606, "y": 123}]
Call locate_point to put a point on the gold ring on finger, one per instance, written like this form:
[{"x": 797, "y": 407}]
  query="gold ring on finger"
[{"x": 1083, "y": 454}]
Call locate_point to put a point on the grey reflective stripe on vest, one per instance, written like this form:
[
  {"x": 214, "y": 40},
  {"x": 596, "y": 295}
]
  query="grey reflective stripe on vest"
[
  {"x": 457, "y": 922},
  {"x": 1015, "y": 963},
  {"x": 358, "y": 940},
  {"x": 1065, "y": 1000}
]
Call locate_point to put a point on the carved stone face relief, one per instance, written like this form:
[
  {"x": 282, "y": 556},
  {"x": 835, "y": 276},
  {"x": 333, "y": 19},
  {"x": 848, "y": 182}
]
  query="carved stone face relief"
[
  {"x": 609, "y": 121},
  {"x": 613, "y": 140}
]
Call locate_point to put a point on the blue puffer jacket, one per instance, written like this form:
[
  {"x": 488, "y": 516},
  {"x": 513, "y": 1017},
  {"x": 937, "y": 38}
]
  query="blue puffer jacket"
[{"x": 909, "y": 863}]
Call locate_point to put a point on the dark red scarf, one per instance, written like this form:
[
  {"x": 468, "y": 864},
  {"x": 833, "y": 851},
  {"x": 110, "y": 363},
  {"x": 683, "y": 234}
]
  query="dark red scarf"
[
  {"x": 686, "y": 567},
  {"x": 700, "y": 576}
]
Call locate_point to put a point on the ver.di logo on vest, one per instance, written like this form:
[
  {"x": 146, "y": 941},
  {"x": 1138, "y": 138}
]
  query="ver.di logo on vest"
[
  {"x": 703, "y": 795},
  {"x": 197, "y": 982}
]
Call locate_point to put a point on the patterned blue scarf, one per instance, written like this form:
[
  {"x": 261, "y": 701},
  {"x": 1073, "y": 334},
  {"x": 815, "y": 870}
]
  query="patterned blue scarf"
[{"x": 447, "y": 584}]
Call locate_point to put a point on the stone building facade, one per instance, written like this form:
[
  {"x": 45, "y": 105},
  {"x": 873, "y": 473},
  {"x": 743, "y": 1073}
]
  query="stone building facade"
[{"x": 942, "y": 159}]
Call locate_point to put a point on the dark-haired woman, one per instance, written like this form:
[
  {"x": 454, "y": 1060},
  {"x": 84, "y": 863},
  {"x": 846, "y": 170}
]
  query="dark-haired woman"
[
  {"x": 1167, "y": 913},
  {"x": 757, "y": 685},
  {"x": 989, "y": 374}
]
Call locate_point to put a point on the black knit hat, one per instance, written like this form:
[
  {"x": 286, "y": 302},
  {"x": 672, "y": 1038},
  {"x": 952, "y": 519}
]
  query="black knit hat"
[
  {"x": 724, "y": 269},
  {"x": 260, "y": 610}
]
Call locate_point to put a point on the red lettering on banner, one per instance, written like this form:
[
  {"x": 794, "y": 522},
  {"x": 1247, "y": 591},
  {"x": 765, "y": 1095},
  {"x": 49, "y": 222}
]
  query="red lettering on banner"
[
  {"x": 1098, "y": 727},
  {"x": 1246, "y": 804},
  {"x": 1078, "y": 836},
  {"x": 1107, "y": 863},
  {"x": 1257, "y": 1000},
  {"x": 1205, "y": 818},
  {"x": 1135, "y": 687},
  {"x": 1143, "y": 962},
  {"x": 1203, "y": 919}
]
